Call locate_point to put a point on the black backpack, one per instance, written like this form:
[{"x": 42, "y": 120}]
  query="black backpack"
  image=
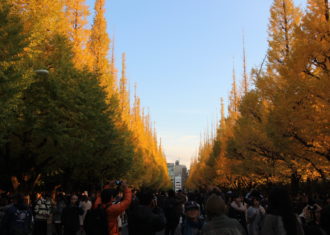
[{"x": 95, "y": 222}]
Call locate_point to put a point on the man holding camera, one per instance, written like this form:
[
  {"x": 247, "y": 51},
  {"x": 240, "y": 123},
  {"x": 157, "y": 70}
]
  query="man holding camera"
[
  {"x": 112, "y": 211},
  {"x": 311, "y": 218}
]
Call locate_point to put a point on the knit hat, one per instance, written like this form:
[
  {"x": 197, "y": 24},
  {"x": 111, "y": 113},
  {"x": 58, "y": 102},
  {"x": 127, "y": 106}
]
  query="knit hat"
[
  {"x": 191, "y": 205},
  {"x": 215, "y": 206}
]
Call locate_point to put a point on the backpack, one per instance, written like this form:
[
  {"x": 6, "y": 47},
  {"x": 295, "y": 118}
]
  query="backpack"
[
  {"x": 20, "y": 222},
  {"x": 95, "y": 222}
]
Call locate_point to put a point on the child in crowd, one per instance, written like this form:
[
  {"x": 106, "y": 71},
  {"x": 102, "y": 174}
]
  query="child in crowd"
[{"x": 192, "y": 224}]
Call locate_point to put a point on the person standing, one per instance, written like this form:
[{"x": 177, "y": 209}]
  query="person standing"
[
  {"x": 42, "y": 211},
  {"x": 17, "y": 219},
  {"x": 70, "y": 216},
  {"x": 280, "y": 218},
  {"x": 192, "y": 223},
  {"x": 57, "y": 213},
  {"x": 85, "y": 205},
  {"x": 217, "y": 222},
  {"x": 255, "y": 213},
  {"x": 173, "y": 211},
  {"x": 112, "y": 211},
  {"x": 237, "y": 210},
  {"x": 147, "y": 217}
]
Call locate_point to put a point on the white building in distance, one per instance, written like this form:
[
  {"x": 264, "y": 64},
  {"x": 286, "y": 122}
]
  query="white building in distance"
[{"x": 178, "y": 174}]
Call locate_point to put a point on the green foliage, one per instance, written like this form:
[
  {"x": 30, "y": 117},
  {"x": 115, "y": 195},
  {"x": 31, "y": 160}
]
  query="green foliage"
[
  {"x": 12, "y": 43},
  {"x": 64, "y": 124},
  {"x": 67, "y": 127}
]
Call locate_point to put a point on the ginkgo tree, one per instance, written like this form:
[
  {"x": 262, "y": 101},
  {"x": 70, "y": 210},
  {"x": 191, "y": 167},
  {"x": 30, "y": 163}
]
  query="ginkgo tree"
[
  {"x": 70, "y": 126},
  {"x": 279, "y": 130}
]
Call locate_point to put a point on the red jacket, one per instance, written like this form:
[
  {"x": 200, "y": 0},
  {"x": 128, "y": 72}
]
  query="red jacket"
[{"x": 113, "y": 211}]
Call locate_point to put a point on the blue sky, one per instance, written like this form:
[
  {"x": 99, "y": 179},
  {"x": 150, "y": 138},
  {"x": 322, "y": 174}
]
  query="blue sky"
[{"x": 180, "y": 53}]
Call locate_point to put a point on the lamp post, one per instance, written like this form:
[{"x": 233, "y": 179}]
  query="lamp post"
[{"x": 42, "y": 71}]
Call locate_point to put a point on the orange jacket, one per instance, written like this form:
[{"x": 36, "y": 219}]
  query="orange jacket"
[{"x": 113, "y": 211}]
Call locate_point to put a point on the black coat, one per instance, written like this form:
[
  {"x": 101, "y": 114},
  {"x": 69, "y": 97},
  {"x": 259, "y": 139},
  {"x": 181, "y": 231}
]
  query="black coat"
[
  {"x": 17, "y": 220},
  {"x": 173, "y": 211},
  {"x": 146, "y": 221},
  {"x": 239, "y": 216},
  {"x": 70, "y": 218}
]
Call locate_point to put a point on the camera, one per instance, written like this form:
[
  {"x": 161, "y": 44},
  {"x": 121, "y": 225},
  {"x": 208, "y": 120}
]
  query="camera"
[
  {"x": 118, "y": 182},
  {"x": 312, "y": 208}
]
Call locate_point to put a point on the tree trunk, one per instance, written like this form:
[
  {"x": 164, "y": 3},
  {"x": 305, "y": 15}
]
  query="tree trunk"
[
  {"x": 326, "y": 3},
  {"x": 286, "y": 30}
]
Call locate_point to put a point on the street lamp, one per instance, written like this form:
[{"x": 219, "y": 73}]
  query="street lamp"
[{"x": 42, "y": 71}]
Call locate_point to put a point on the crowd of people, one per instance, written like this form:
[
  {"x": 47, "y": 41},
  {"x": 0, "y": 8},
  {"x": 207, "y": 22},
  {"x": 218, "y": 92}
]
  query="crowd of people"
[{"x": 145, "y": 212}]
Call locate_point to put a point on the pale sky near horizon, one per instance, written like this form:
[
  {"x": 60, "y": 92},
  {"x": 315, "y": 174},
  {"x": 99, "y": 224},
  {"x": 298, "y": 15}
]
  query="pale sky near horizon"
[{"x": 180, "y": 53}]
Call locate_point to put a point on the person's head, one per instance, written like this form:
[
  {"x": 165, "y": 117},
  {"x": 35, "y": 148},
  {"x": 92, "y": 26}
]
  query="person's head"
[
  {"x": 327, "y": 201},
  {"x": 39, "y": 195},
  {"x": 18, "y": 199},
  {"x": 229, "y": 197},
  {"x": 280, "y": 204},
  {"x": 146, "y": 197},
  {"x": 84, "y": 198},
  {"x": 236, "y": 198},
  {"x": 27, "y": 200},
  {"x": 171, "y": 193},
  {"x": 181, "y": 192},
  {"x": 255, "y": 193},
  {"x": 192, "y": 210},
  {"x": 74, "y": 199},
  {"x": 217, "y": 191},
  {"x": 304, "y": 198},
  {"x": 108, "y": 195},
  {"x": 215, "y": 206},
  {"x": 59, "y": 197},
  {"x": 47, "y": 195},
  {"x": 317, "y": 214},
  {"x": 255, "y": 202}
]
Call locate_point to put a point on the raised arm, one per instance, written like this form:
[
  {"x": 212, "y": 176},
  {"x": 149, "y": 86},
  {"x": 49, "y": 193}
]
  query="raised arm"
[{"x": 119, "y": 208}]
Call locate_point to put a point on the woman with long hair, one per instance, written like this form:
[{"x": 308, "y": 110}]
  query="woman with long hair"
[{"x": 280, "y": 218}]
